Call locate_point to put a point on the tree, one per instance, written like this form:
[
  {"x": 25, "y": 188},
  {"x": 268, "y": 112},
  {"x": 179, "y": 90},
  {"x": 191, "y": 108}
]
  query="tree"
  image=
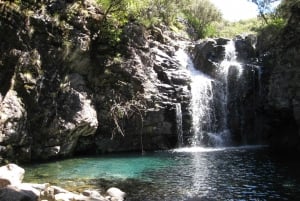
[
  {"x": 164, "y": 10},
  {"x": 284, "y": 9},
  {"x": 114, "y": 17},
  {"x": 265, "y": 7},
  {"x": 112, "y": 6},
  {"x": 201, "y": 13}
]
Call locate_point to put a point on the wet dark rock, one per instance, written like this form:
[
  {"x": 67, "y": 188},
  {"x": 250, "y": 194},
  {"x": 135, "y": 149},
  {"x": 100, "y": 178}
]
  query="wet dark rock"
[
  {"x": 43, "y": 109},
  {"x": 222, "y": 41},
  {"x": 15, "y": 194},
  {"x": 245, "y": 47},
  {"x": 283, "y": 97},
  {"x": 135, "y": 32},
  {"x": 208, "y": 53}
]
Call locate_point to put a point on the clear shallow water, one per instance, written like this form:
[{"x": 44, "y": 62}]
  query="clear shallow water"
[{"x": 247, "y": 173}]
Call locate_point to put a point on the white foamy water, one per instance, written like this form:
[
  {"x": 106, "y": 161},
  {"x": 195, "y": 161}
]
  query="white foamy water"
[
  {"x": 210, "y": 149},
  {"x": 196, "y": 149},
  {"x": 202, "y": 99},
  {"x": 179, "y": 124}
]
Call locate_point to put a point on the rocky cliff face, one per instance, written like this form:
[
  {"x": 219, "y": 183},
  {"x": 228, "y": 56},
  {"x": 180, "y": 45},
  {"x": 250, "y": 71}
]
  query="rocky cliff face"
[
  {"x": 45, "y": 103},
  {"x": 64, "y": 89},
  {"x": 150, "y": 82},
  {"x": 283, "y": 75}
]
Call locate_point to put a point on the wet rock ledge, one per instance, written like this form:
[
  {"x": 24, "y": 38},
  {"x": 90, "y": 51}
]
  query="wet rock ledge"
[{"x": 12, "y": 189}]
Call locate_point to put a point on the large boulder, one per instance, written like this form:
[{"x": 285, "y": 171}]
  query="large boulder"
[
  {"x": 245, "y": 46},
  {"x": 75, "y": 116},
  {"x": 116, "y": 194},
  {"x": 207, "y": 54},
  {"x": 11, "y": 173},
  {"x": 13, "y": 127},
  {"x": 12, "y": 189},
  {"x": 13, "y": 193}
]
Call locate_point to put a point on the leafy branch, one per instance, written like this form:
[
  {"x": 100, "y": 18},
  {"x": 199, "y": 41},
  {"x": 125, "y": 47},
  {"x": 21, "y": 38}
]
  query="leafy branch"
[{"x": 123, "y": 110}]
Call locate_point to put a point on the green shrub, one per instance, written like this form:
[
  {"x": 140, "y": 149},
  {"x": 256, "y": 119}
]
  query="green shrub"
[
  {"x": 201, "y": 14},
  {"x": 231, "y": 29},
  {"x": 210, "y": 31}
]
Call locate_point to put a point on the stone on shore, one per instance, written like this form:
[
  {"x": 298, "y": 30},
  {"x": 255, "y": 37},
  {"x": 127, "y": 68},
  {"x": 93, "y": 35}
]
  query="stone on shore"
[
  {"x": 116, "y": 194},
  {"x": 11, "y": 174},
  {"x": 14, "y": 193},
  {"x": 12, "y": 189}
]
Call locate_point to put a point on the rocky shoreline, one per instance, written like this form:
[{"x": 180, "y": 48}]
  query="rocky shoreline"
[{"x": 12, "y": 189}]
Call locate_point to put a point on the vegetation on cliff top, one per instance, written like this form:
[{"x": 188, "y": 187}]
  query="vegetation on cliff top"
[
  {"x": 205, "y": 19},
  {"x": 270, "y": 20},
  {"x": 201, "y": 15},
  {"x": 198, "y": 13}
]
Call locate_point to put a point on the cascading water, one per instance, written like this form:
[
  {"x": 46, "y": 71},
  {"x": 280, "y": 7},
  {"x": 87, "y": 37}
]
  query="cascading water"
[
  {"x": 179, "y": 124},
  {"x": 230, "y": 60},
  {"x": 210, "y": 98},
  {"x": 229, "y": 70},
  {"x": 203, "y": 118},
  {"x": 225, "y": 66}
]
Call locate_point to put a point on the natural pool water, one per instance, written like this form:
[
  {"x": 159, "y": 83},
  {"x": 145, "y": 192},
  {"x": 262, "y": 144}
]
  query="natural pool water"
[{"x": 236, "y": 173}]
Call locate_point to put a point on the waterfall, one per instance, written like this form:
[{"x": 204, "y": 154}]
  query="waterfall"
[
  {"x": 203, "y": 118},
  {"x": 230, "y": 60},
  {"x": 201, "y": 105},
  {"x": 179, "y": 124},
  {"x": 216, "y": 101},
  {"x": 229, "y": 73}
]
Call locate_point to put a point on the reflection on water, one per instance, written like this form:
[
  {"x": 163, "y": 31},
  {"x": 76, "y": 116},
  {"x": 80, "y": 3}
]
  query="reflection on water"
[{"x": 245, "y": 173}]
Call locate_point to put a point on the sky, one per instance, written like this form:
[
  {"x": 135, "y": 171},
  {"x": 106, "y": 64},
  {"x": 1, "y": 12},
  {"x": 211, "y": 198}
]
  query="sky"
[{"x": 235, "y": 10}]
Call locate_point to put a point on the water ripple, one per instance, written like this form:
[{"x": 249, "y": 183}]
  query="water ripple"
[{"x": 243, "y": 173}]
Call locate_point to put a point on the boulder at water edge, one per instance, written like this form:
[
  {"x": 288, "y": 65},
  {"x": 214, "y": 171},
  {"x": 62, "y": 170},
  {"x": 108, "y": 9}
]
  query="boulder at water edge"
[
  {"x": 13, "y": 193},
  {"x": 12, "y": 189},
  {"x": 11, "y": 174},
  {"x": 116, "y": 194}
]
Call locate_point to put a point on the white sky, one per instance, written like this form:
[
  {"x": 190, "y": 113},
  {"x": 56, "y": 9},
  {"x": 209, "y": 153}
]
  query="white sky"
[{"x": 234, "y": 10}]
